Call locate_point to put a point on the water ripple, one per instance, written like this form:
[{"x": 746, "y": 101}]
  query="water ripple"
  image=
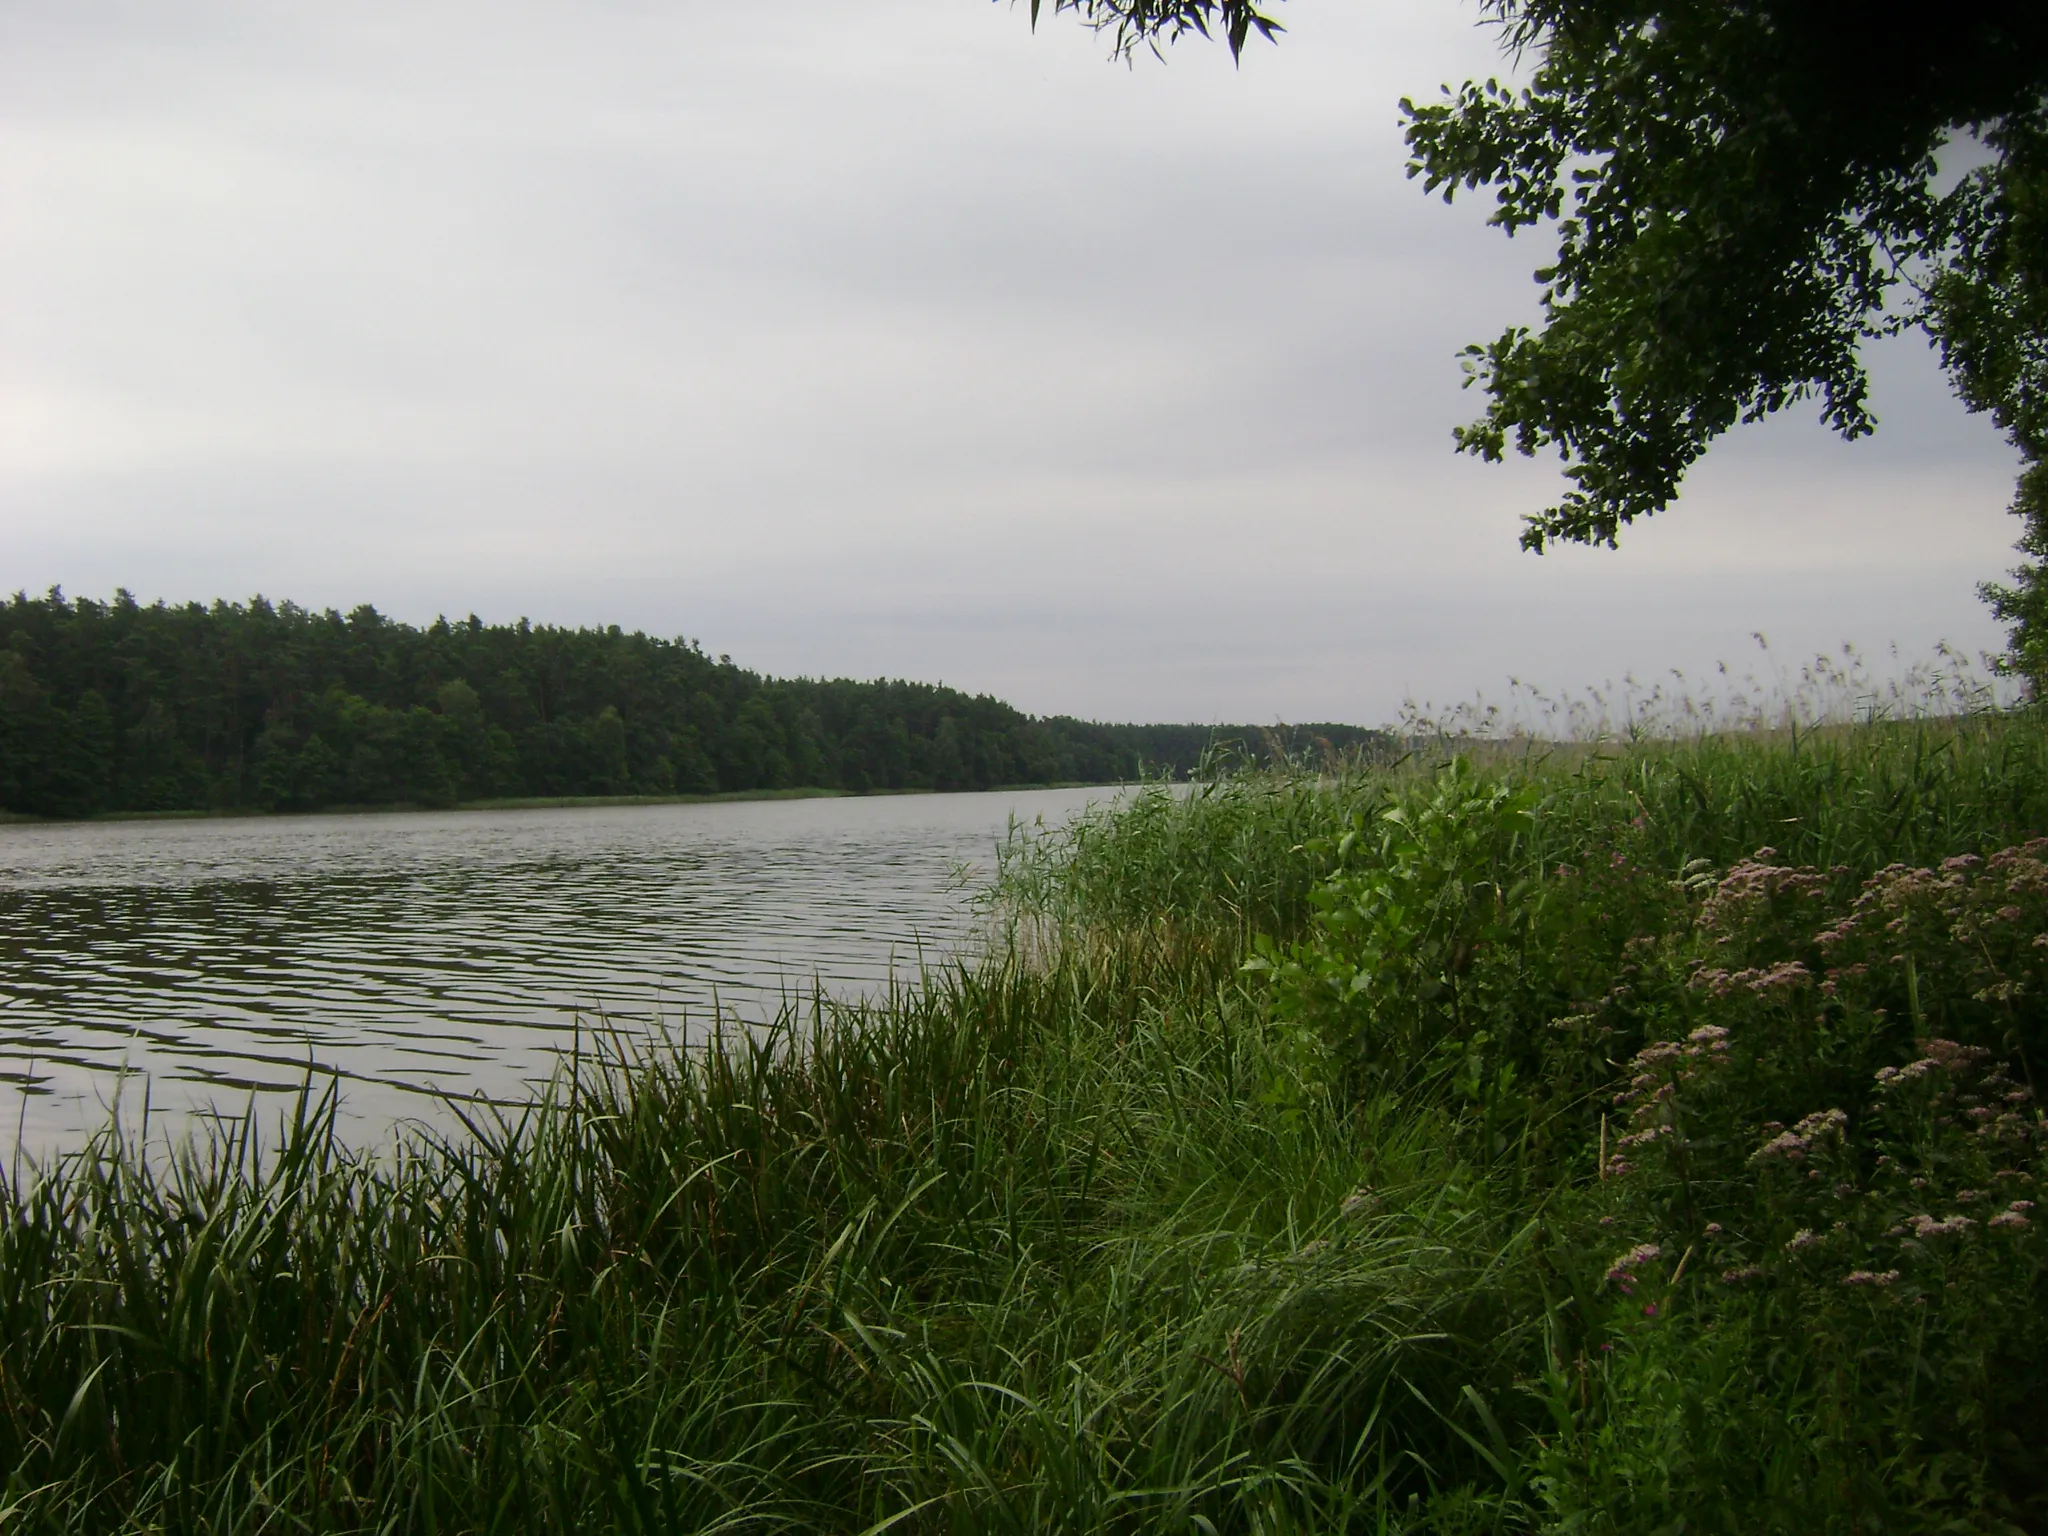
[{"x": 452, "y": 954}]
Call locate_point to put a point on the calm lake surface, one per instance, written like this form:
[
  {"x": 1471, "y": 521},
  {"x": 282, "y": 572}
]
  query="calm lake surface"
[{"x": 421, "y": 955}]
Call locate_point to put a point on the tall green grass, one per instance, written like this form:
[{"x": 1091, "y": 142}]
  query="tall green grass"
[
  {"x": 1240, "y": 855},
  {"x": 1018, "y": 1251},
  {"x": 1075, "y": 1237}
]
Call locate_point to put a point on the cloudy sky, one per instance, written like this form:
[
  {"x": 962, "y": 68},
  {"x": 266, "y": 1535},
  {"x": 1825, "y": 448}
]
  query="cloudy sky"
[{"x": 863, "y": 337}]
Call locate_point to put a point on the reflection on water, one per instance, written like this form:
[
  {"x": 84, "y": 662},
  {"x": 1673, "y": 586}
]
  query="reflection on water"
[{"x": 416, "y": 955}]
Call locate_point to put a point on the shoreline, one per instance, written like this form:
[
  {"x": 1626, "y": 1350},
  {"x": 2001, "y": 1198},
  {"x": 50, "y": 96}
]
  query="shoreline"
[{"x": 528, "y": 803}]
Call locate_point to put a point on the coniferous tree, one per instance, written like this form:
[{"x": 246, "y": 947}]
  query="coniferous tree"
[{"x": 124, "y": 707}]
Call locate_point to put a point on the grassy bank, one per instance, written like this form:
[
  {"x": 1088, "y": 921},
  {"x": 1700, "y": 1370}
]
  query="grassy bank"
[{"x": 1508, "y": 1146}]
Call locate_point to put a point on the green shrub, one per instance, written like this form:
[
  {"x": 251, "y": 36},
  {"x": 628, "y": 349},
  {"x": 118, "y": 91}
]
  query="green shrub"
[{"x": 1812, "y": 1176}]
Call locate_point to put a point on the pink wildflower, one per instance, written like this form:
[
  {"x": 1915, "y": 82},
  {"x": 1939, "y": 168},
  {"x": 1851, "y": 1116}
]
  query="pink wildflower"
[
  {"x": 1626, "y": 1264},
  {"x": 1925, "y": 1226},
  {"x": 1789, "y": 1146},
  {"x": 1826, "y": 1124}
]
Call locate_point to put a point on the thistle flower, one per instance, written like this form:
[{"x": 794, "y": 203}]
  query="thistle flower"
[{"x": 1871, "y": 1277}]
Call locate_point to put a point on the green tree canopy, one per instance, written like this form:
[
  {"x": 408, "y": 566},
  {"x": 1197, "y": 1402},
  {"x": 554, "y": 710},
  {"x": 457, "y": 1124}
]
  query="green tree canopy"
[
  {"x": 1741, "y": 192},
  {"x": 121, "y": 707}
]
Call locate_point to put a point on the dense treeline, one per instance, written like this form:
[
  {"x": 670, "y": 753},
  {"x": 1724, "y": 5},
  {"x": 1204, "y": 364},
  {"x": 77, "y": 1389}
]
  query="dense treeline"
[{"x": 121, "y": 707}]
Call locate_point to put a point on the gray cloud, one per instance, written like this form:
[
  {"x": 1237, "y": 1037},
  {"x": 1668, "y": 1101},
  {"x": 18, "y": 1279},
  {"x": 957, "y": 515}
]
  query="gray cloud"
[{"x": 877, "y": 338}]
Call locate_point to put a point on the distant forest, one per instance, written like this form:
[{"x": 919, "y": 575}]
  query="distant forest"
[{"x": 121, "y": 707}]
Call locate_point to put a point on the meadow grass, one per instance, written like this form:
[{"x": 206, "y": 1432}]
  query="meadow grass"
[
  {"x": 1240, "y": 854},
  {"x": 1267, "y": 1175}
]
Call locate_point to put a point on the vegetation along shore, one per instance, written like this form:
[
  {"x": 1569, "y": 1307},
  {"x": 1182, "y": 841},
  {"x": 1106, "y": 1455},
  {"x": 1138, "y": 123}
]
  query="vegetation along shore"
[
  {"x": 1639, "y": 1138},
  {"x": 121, "y": 707}
]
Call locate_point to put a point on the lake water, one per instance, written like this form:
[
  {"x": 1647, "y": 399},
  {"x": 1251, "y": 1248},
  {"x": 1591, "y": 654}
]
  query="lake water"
[{"x": 422, "y": 955}]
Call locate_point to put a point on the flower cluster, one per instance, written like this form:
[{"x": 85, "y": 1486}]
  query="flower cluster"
[
  {"x": 1756, "y": 895},
  {"x": 1825, "y": 1128},
  {"x": 1780, "y": 980},
  {"x": 1655, "y": 1075},
  {"x": 2014, "y": 1215},
  {"x": 1935, "y": 1056},
  {"x": 1908, "y": 1197},
  {"x": 1978, "y": 924},
  {"x": 1924, "y": 1226},
  {"x": 1623, "y": 1269},
  {"x": 1967, "y": 1083}
]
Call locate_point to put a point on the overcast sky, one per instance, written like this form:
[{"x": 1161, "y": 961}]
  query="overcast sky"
[{"x": 863, "y": 337}]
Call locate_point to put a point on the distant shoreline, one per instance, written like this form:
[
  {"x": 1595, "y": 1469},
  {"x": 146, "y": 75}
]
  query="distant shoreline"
[{"x": 527, "y": 803}]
